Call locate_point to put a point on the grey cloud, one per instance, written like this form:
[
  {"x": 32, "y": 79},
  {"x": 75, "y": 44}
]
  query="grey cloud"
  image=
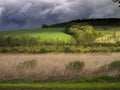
[{"x": 22, "y": 14}]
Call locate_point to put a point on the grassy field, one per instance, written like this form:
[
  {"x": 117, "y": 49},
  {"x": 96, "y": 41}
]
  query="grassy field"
[
  {"x": 53, "y": 35},
  {"x": 53, "y": 66},
  {"x": 49, "y": 72},
  {"x": 63, "y": 86},
  {"x": 107, "y": 34}
]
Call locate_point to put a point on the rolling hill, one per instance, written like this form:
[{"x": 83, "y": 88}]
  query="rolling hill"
[
  {"x": 93, "y": 22},
  {"x": 55, "y": 33},
  {"x": 49, "y": 35}
]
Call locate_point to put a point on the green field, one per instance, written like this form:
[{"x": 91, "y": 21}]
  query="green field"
[
  {"x": 107, "y": 33},
  {"x": 56, "y": 40},
  {"x": 64, "y": 86},
  {"x": 55, "y": 35}
]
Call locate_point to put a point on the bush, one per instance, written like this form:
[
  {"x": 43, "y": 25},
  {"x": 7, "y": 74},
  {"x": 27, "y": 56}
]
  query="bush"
[
  {"x": 83, "y": 33},
  {"x": 113, "y": 68},
  {"x": 73, "y": 70},
  {"x": 69, "y": 49},
  {"x": 67, "y": 28},
  {"x": 43, "y": 50},
  {"x": 27, "y": 64},
  {"x": 75, "y": 66},
  {"x": 18, "y": 41},
  {"x": 118, "y": 42},
  {"x": 102, "y": 69},
  {"x": 115, "y": 65}
]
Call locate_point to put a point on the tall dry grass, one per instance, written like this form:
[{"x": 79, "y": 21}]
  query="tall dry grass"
[{"x": 52, "y": 66}]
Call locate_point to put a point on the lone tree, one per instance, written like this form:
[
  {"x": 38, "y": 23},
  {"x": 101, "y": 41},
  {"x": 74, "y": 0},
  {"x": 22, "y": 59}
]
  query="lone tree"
[
  {"x": 83, "y": 33},
  {"x": 117, "y": 1}
]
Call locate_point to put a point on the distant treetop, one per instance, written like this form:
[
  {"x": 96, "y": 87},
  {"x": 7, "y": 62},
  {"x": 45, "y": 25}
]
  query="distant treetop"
[{"x": 117, "y": 1}]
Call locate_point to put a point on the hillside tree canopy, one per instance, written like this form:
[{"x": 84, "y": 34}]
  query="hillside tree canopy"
[
  {"x": 83, "y": 33},
  {"x": 117, "y": 1}
]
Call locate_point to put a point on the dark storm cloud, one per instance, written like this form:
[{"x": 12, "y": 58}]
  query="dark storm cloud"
[{"x": 22, "y": 14}]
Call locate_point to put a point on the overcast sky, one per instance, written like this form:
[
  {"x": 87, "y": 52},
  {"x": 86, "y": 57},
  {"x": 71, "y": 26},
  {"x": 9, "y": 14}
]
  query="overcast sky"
[{"x": 21, "y": 14}]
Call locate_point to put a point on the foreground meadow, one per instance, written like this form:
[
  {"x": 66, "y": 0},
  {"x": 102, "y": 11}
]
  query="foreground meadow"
[
  {"x": 43, "y": 67},
  {"x": 48, "y": 72}
]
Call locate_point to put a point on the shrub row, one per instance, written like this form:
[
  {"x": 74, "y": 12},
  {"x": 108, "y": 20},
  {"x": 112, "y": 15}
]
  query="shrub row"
[
  {"x": 74, "y": 70},
  {"x": 55, "y": 49},
  {"x": 18, "y": 41},
  {"x": 25, "y": 40}
]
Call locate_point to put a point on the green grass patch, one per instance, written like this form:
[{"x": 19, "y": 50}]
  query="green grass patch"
[
  {"x": 62, "y": 85},
  {"x": 109, "y": 34},
  {"x": 48, "y": 35},
  {"x": 96, "y": 83}
]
